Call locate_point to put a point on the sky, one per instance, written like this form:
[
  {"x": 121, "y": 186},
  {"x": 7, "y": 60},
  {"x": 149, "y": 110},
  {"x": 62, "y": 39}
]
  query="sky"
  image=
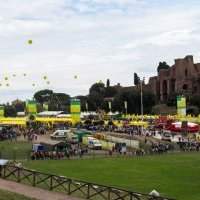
[{"x": 91, "y": 39}]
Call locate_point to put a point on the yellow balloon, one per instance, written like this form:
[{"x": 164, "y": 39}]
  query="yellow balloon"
[
  {"x": 33, "y": 84},
  {"x": 48, "y": 82},
  {"x": 7, "y": 84},
  {"x": 6, "y": 78},
  {"x": 0, "y": 84},
  {"x": 45, "y": 77},
  {"x": 30, "y": 41},
  {"x": 24, "y": 74},
  {"x": 14, "y": 75},
  {"x": 75, "y": 77}
]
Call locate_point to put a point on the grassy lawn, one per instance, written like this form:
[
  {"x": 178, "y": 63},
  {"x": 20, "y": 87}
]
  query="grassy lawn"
[
  {"x": 4, "y": 195},
  {"x": 176, "y": 175},
  {"x": 15, "y": 150}
]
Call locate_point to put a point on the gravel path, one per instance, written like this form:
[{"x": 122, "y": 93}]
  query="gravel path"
[{"x": 33, "y": 192}]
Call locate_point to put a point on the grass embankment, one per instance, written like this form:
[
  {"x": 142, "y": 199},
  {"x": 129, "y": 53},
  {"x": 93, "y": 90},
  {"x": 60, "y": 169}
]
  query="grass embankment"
[
  {"x": 15, "y": 150},
  {"x": 173, "y": 175}
]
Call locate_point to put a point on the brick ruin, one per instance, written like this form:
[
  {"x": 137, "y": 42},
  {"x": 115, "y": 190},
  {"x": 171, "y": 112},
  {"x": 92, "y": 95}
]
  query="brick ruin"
[{"x": 182, "y": 78}]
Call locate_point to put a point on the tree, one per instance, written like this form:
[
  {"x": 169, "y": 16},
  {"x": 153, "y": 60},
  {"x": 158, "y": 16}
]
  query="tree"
[
  {"x": 43, "y": 96},
  {"x": 83, "y": 100},
  {"x": 56, "y": 101},
  {"x": 108, "y": 83},
  {"x": 110, "y": 92},
  {"x": 19, "y": 105},
  {"x": 10, "y": 111},
  {"x": 136, "y": 79},
  {"x": 96, "y": 100},
  {"x": 162, "y": 65},
  {"x": 195, "y": 100},
  {"x": 98, "y": 88}
]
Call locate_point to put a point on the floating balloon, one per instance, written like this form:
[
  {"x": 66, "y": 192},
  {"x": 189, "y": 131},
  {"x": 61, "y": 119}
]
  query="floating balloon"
[
  {"x": 30, "y": 41},
  {"x": 7, "y": 84},
  {"x": 24, "y": 74},
  {"x": 45, "y": 77},
  {"x": 48, "y": 82},
  {"x": 14, "y": 75},
  {"x": 33, "y": 84},
  {"x": 6, "y": 78},
  {"x": 75, "y": 77},
  {"x": 0, "y": 84}
]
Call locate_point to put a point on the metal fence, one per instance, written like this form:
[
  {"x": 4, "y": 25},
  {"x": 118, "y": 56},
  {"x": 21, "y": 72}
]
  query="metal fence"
[{"x": 70, "y": 186}]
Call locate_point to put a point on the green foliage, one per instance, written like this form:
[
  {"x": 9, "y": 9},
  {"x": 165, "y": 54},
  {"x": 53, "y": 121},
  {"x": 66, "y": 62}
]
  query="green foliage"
[
  {"x": 195, "y": 100},
  {"x": 162, "y": 65},
  {"x": 43, "y": 96},
  {"x": 171, "y": 101},
  {"x": 136, "y": 79},
  {"x": 56, "y": 101},
  {"x": 110, "y": 92},
  {"x": 192, "y": 110},
  {"x": 97, "y": 88},
  {"x": 10, "y": 111}
]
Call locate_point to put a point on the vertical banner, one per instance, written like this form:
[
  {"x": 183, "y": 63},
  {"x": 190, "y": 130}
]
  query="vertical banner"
[
  {"x": 1, "y": 111},
  {"x": 181, "y": 105},
  {"x": 31, "y": 107},
  {"x": 75, "y": 109}
]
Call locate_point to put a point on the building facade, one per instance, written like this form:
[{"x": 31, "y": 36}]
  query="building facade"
[{"x": 182, "y": 78}]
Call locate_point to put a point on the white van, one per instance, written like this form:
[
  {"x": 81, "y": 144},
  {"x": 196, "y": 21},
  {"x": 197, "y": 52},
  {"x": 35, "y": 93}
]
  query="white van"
[{"x": 65, "y": 135}]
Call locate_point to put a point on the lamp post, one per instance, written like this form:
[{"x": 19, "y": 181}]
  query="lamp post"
[
  {"x": 86, "y": 106},
  {"x": 125, "y": 106},
  {"x": 141, "y": 101}
]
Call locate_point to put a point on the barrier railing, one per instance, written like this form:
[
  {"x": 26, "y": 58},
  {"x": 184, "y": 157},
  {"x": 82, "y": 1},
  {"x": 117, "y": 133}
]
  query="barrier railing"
[{"x": 70, "y": 186}]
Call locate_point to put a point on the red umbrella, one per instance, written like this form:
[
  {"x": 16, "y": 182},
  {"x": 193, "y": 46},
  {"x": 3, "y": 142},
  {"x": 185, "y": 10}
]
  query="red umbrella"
[{"x": 177, "y": 127}]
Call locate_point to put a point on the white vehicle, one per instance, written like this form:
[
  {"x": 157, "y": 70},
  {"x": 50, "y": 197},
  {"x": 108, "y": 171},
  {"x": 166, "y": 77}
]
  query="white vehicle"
[
  {"x": 66, "y": 135},
  {"x": 92, "y": 143}
]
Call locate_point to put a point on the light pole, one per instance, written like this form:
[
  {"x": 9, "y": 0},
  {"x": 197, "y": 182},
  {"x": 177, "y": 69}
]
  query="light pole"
[
  {"x": 125, "y": 106},
  {"x": 141, "y": 101},
  {"x": 86, "y": 106}
]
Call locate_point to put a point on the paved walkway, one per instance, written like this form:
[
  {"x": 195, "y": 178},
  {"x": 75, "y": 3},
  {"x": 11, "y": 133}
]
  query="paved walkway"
[{"x": 32, "y": 192}]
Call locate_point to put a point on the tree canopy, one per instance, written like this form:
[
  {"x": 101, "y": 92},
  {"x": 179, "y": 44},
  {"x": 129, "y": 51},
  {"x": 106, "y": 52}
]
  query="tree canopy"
[{"x": 162, "y": 65}]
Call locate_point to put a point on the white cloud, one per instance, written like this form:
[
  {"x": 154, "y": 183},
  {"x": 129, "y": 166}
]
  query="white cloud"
[{"x": 95, "y": 40}]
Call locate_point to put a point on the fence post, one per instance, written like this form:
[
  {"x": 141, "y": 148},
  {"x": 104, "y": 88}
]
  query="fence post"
[
  {"x": 131, "y": 196},
  {"x": 34, "y": 178},
  {"x": 4, "y": 171},
  {"x": 18, "y": 174},
  {"x": 109, "y": 193},
  {"x": 88, "y": 191},
  {"x": 69, "y": 187},
  {"x": 51, "y": 183}
]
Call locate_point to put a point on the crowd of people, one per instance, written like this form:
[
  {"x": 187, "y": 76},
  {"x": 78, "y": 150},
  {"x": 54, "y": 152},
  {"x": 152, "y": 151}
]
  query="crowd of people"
[{"x": 31, "y": 134}]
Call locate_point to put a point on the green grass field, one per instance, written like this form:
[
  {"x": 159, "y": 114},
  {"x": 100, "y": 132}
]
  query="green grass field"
[
  {"x": 17, "y": 150},
  {"x": 176, "y": 175},
  {"x": 4, "y": 195}
]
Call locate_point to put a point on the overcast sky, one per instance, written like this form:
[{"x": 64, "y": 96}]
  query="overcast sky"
[{"x": 91, "y": 39}]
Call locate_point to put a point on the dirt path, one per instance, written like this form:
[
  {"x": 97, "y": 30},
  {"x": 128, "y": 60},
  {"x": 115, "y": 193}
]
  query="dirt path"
[{"x": 33, "y": 192}]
